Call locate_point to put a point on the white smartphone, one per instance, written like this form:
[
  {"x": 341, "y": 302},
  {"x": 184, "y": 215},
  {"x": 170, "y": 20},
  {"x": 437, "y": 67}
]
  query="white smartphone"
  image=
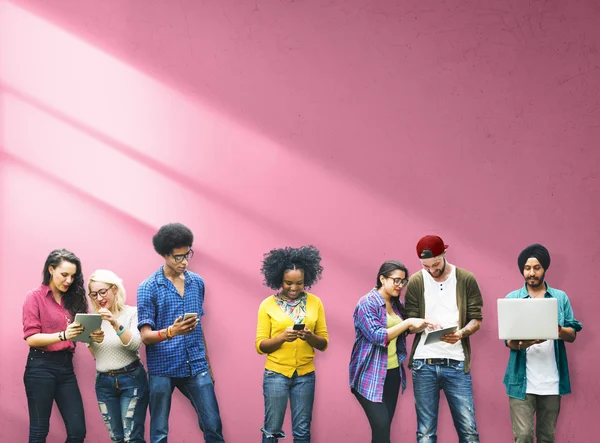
[{"x": 189, "y": 315}]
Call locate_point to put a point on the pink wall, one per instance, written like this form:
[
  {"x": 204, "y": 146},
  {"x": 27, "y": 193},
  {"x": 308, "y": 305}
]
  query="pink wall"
[{"x": 357, "y": 126}]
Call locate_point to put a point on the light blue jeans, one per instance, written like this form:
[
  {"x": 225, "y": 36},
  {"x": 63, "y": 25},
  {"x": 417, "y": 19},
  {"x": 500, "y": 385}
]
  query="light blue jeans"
[
  {"x": 300, "y": 390},
  {"x": 123, "y": 402},
  {"x": 428, "y": 381},
  {"x": 200, "y": 390}
]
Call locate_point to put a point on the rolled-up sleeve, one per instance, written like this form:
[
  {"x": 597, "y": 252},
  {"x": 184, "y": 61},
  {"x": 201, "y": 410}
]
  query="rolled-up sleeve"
[
  {"x": 146, "y": 306},
  {"x": 474, "y": 300},
  {"x": 569, "y": 317},
  {"x": 32, "y": 323},
  {"x": 367, "y": 320}
]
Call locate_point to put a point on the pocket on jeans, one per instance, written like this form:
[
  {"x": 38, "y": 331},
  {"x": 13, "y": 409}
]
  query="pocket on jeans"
[
  {"x": 416, "y": 365},
  {"x": 33, "y": 362},
  {"x": 137, "y": 374},
  {"x": 460, "y": 366}
]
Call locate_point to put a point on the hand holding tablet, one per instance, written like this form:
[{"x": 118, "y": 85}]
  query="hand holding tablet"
[
  {"x": 435, "y": 336},
  {"x": 89, "y": 323}
]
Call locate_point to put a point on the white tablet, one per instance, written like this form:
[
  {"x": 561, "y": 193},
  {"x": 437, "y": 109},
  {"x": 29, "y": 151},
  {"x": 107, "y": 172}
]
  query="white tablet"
[
  {"x": 528, "y": 318},
  {"x": 90, "y": 323},
  {"x": 434, "y": 336}
]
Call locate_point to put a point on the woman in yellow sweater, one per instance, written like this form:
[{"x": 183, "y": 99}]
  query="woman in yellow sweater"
[{"x": 291, "y": 325}]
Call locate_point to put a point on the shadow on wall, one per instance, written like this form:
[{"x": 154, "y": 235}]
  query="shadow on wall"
[{"x": 436, "y": 104}]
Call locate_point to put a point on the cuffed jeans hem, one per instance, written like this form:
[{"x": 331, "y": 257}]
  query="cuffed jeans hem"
[{"x": 271, "y": 437}]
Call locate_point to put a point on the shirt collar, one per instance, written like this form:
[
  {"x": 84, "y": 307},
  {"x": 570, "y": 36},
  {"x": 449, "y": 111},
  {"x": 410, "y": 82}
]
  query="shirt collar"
[
  {"x": 377, "y": 295},
  {"x": 162, "y": 280},
  {"x": 46, "y": 290},
  {"x": 525, "y": 294}
]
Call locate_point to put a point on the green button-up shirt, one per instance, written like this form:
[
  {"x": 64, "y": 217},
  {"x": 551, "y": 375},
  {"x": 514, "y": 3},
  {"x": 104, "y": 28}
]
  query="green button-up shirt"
[{"x": 515, "y": 378}]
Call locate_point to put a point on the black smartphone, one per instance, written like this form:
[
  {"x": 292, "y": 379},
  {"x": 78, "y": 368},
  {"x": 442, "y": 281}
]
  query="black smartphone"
[{"x": 299, "y": 327}]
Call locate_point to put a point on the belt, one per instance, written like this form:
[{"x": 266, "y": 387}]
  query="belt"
[
  {"x": 440, "y": 361},
  {"x": 130, "y": 367}
]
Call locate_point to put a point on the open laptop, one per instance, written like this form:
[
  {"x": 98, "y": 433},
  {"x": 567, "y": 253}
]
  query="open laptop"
[{"x": 528, "y": 318}]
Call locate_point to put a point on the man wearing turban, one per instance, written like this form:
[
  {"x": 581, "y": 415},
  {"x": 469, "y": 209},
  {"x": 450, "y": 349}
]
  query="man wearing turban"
[{"x": 543, "y": 361}]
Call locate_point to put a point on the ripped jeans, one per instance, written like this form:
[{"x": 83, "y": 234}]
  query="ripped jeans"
[
  {"x": 123, "y": 400},
  {"x": 448, "y": 376},
  {"x": 277, "y": 389}
]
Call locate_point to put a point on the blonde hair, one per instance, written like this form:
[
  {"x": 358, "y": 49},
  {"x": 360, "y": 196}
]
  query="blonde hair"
[{"x": 110, "y": 278}]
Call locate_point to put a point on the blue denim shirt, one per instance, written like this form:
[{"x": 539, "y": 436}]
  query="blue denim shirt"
[
  {"x": 159, "y": 305},
  {"x": 515, "y": 378}
]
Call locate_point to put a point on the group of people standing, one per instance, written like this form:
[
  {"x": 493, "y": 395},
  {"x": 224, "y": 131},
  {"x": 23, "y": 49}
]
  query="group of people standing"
[{"x": 291, "y": 325}]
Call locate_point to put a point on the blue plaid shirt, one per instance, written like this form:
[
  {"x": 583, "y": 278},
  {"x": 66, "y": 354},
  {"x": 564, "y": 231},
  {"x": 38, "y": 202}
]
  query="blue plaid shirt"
[
  {"x": 159, "y": 304},
  {"x": 368, "y": 363}
]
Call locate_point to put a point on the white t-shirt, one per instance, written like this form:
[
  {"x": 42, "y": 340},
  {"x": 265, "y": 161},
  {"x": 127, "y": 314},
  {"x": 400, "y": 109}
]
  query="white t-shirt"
[
  {"x": 112, "y": 354},
  {"x": 542, "y": 371},
  {"x": 441, "y": 308}
]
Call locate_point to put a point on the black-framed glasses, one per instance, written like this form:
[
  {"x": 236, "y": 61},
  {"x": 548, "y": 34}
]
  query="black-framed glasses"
[
  {"x": 102, "y": 292},
  {"x": 399, "y": 281},
  {"x": 179, "y": 258}
]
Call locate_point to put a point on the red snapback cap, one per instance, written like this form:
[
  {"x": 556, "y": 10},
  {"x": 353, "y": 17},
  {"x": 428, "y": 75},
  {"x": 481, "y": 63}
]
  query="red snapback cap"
[{"x": 430, "y": 246}]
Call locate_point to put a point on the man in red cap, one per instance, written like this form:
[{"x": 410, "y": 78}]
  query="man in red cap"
[{"x": 446, "y": 296}]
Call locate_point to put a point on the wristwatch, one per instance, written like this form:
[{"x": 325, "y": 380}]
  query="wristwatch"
[{"x": 121, "y": 330}]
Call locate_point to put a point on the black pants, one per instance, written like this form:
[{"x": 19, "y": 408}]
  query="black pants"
[
  {"x": 380, "y": 415},
  {"x": 49, "y": 377}
]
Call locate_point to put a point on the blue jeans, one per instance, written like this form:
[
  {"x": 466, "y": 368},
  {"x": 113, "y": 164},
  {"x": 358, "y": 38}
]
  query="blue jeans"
[
  {"x": 123, "y": 400},
  {"x": 49, "y": 377},
  {"x": 277, "y": 388},
  {"x": 428, "y": 380},
  {"x": 200, "y": 390}
]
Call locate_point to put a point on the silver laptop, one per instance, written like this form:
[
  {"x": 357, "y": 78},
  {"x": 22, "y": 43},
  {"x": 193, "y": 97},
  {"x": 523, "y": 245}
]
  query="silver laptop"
[{"x": 528, "y": 318}]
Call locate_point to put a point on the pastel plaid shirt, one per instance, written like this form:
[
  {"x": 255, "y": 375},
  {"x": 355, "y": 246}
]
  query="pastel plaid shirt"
[
  {"x": 159, "y": 304},
  {"x": 368, "y": 363}
]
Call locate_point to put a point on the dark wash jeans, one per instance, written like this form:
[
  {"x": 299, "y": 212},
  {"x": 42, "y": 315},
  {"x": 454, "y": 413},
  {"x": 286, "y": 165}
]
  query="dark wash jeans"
[{"x": 49, "y": 377}]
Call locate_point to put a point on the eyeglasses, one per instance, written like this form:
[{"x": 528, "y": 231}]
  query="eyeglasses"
[
  {"x": 179, "y": 258},
  {"x": 102, "y": 292},
  {"x": 399, "y": 281}
]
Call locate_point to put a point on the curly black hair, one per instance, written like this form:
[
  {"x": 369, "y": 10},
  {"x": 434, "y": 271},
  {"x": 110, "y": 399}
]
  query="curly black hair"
[
  {"x": 386, "y": 270},
  {"x": 277, "y": 261},
  {"x": 172, "y": 236},
  {"x": 74, "y": 299}
]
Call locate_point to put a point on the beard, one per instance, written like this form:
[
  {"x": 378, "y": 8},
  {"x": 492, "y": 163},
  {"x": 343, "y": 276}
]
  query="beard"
[
  {"x": 534, "y": 282},
  {"x": 441, "y": 271}
]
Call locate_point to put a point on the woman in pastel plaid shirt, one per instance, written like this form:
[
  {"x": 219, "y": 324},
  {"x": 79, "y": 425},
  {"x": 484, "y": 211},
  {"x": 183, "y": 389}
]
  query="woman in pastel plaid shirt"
[
  {"x": 291, "y": 325},
  {"x": 376, "y": 370}
]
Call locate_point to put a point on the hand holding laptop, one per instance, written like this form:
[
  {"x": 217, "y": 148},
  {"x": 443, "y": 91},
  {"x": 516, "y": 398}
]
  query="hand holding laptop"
[{"x": 524, "y": 344}]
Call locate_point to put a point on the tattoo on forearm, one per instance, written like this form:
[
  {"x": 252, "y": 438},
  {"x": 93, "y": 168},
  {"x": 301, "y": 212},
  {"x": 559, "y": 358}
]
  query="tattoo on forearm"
[{"x": 471, "y": 328}]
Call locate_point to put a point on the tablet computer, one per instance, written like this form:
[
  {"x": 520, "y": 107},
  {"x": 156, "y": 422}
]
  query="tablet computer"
[
  {"x": 434, "y": 336},
  {"x": 90, "y": 323}
]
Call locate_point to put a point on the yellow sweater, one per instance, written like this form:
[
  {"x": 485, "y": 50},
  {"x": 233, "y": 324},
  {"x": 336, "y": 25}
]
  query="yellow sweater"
[{"x": 291, "y": 356}]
